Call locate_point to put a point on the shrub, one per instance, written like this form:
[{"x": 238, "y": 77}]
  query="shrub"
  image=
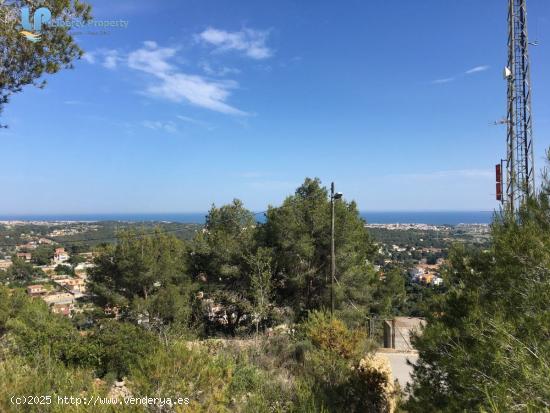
[
  {"x": 121, "y": 345},
  {"x": 331, "y": 334},
  {"x": 179, "y": 371},
  {"x": 43, "y": 375},
  {"x": 371, "y": 385}
]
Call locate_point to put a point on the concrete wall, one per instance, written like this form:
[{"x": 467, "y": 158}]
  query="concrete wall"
[{"x": 398, "y": 332}]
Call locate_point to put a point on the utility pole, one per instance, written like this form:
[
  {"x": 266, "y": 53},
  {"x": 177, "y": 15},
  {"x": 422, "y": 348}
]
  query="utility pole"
[{"x": 333, "y": 196}]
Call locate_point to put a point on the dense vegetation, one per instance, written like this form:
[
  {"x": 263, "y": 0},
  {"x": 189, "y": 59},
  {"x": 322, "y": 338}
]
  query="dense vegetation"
[
  {"x": 20, "y": 272},
  {"x": 320, "y": 367},
  {"x": 487, "y": 343},
  {"x": 235, "y": 318},
  {"x": 107, "y": 232},
  {"x": 413, "y": 238},
  {"x": 247, "y": 275},
  {"x": 266, "y": 284},
  {"x": 159, "y": 297},
  {"x": 82, "y": 237},
  {"x": 442, "y": 238}
]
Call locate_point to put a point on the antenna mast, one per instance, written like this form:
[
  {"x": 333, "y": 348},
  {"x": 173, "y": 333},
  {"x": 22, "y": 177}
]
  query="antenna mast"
[{"x": 520, "y": 175}]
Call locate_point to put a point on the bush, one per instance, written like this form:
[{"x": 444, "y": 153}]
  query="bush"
[
  {"x": 331, "y": 334},
  {"x": 42, "y": 375},
  {"x": 180, "y": 371},
  {"x": 120, "y": 346},
  {"x": 371, "y": 385},
  {"x": 62, "y": 269},
  {"x": 30, "y": 328},
  {"x": 344, "y": 377}
]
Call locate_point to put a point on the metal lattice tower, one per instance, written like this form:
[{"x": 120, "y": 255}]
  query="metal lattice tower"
[{"x": 520, "y": 172}]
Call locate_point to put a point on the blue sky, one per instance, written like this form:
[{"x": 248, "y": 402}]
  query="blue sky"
[{"x": 198, "y": 102}]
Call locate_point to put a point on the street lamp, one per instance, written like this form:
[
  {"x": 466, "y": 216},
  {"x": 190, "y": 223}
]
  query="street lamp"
[{"x": 333, "y": 196}]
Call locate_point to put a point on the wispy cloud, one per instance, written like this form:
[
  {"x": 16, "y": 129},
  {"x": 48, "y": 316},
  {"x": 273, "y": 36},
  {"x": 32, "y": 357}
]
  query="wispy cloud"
[
  {"x": 168, "y": 81},
  {"x": 177, "y": 86},
  {"x": 218, "y": 71},
  {"x": 450, "y": 79},
  {"x": 477, "y": 69},
  {"x": 444, "y": 80},
  {"x": 151, "y": 58},
  {"x": 89, "y": 57},
  {"x": 198, "y": 91},
  {"x": 194, "y": 121},
  {"x": 169, "y": 126},
  {"x": 109, "y": 58},
  {"x": 249, "y": 41}
]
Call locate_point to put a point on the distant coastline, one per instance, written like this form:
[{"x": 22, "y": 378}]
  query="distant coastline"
[
  {"x": 428, "y": 217},
  {"x": 380, "y": 217}
]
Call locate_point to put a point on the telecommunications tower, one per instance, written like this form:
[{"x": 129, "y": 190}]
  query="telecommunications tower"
[{"x": 519, "y": 182}]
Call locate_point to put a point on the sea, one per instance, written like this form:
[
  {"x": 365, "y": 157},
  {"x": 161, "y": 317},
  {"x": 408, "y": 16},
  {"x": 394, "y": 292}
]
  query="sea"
[{"x": 372, "y": 217}]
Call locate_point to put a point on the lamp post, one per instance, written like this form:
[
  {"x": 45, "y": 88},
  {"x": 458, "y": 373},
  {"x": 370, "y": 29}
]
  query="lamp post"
[{"x": 333, "y": 196}]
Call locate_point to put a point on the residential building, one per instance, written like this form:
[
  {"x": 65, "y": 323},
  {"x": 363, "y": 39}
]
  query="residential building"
[
  {"x": 59, "y": 298},
  {"x": 5, "y": 264},
  {"x": 63, "y": 309},
  {"x": 25, "y": 256},
  {"x": 426, "y": 278},
  {"x": 82, "y": 268},
  {"x": 36, "y": 290},
  {"x": 60, "y": 256},
  {"x": 28, "y": 246},
  {"x": 416, "y": 272},
  {"x": 72, "y": 284}
]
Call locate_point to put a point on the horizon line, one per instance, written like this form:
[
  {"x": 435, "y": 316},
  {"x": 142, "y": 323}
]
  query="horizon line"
[{"x": 251, "y": 210}]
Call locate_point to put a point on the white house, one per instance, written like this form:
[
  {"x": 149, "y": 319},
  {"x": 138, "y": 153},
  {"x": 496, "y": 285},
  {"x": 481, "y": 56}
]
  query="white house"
[{"x": 60, "y": 256}]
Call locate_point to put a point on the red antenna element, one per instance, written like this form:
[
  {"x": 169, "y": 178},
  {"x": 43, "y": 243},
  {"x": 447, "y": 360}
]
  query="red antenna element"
[{"x": 498, "y": 169}]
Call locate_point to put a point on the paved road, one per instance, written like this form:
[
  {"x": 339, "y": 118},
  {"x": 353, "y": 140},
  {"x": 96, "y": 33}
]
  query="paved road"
[{"x": 400, "y": 369}]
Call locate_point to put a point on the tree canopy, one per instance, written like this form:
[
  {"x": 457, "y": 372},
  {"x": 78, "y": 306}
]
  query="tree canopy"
[
  {"x": 24, "y": 62},
  {"x": 145, "y": 276},
  {"x": 486, "y": 346},
  {"x": 20, "y": 272},
  {"x": 299, "y": 232}
]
